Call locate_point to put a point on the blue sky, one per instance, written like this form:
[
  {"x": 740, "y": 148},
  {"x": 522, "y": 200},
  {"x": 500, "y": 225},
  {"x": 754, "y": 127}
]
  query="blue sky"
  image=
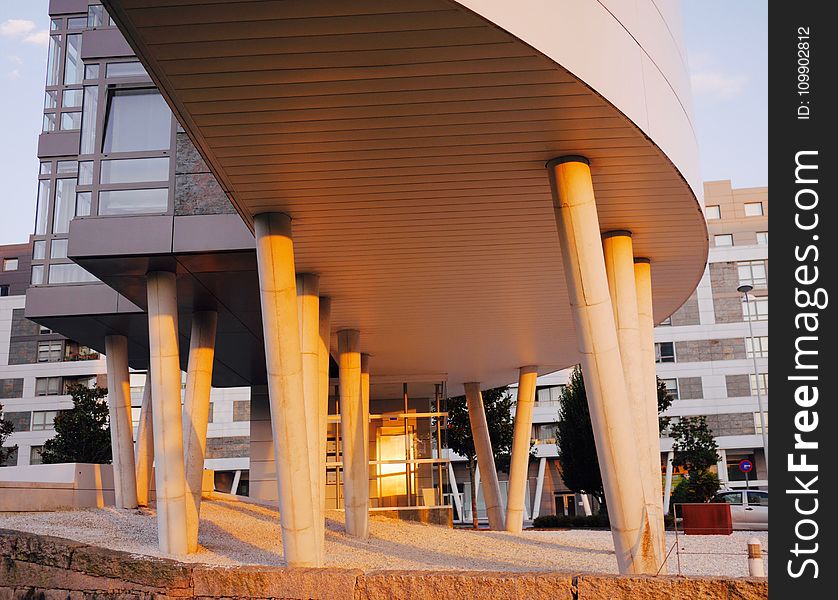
[{"x": 728, "y": 63}]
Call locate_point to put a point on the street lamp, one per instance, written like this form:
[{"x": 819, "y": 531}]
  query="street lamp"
[{"x": 744, "y": 289}]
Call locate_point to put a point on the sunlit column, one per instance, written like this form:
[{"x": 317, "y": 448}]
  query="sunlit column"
[
  {"x": 144, "y": 457},
  {"x": 485, "y": 455},
  {"x": 122, "y": 431},
  {"x": 323, "y": 403},
  {"x": 283, "y": 359},
  {"x": 520, "y": 460}
]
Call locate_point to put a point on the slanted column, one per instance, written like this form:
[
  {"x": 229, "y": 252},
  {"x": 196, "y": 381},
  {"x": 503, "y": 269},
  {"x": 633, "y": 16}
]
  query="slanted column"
[
  {"x": 602, "y": 368},
  {"x": 520, "y": 461},
  {"x": 354, "y": 431},
  {"x": 144, "y": 454},
  {"x": 281, "y": 331},
  {"x": 308, "y": 315},
  {"x": 619, "y": 267},
  {"x": 323, "y": 403},
  {"x": 646, "y": 333},
  {"x": 196, "y": 406},
  {"x": 122, "y": 431},
  {"x": 485, "y": 456},
  {"x": 167, "y": 415}
]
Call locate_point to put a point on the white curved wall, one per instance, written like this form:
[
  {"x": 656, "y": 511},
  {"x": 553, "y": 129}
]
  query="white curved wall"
[{"x": 630, "y": 51}]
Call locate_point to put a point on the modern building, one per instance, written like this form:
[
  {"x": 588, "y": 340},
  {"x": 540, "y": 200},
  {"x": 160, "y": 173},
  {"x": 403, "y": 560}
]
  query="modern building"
[{"x": 319, "y": 201}]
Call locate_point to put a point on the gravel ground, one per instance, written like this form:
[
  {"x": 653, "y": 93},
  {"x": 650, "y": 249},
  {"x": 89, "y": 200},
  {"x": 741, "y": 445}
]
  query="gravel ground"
[{"x": 235, "y": 533}]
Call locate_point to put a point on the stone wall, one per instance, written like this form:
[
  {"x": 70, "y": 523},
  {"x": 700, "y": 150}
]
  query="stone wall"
[
  {"x": 731, "y": 424},
  {"x": 228, "y": 447},
  {"x": 196, "y": 190},
  {"x": 738, "y": 386},
  {"x": 33, "y": 566},
  {"x": 690, "y": 388},
  {"x": 11, "y": 388},
  {"x": 688, "y": 313},
  {"x": 707, "y": 350}
]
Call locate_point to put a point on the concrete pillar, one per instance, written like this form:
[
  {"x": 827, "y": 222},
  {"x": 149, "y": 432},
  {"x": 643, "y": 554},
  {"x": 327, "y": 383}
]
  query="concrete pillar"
[
  {"x": 596, "y": 332},
  {"x": 281, "y": 332},
  {"x": 520, "y": 461},
  {"x": 354, "y": 431},
  {"x": 323, "y": 403},
  {"x": 308, "y": 315},
  {"x": 667, "y": 490},
  {"x": 620, "y": 270},
  {"x": 262, "y": 483},
  {"x": 485, "y": 456},
  {"x": 196, "y": 406},
  {"x": 144, "y": 457},
  {"x": 539, "y": 487},
  {"x": 167, "y": 414},
  {"x": 122, "y": 431}
]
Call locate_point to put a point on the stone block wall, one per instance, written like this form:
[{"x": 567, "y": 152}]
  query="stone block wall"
[
  {"x": 196, "y": 190},
  {"x": 688, "y": 313},
  {"x": 690, "y": 388},
  {"x": 731, "y": 424},
  {"x": 11, "y": 388},
  {"x": 707, "y": 350},
  {"x": 738, "y": 386}
]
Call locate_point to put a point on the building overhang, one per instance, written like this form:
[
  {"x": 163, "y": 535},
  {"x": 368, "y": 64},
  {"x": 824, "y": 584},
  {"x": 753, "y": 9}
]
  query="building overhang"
[{"x": 408, "y": 141}]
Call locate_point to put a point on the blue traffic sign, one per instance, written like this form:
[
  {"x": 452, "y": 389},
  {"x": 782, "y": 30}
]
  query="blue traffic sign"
[{"x": 746, "y": 466}]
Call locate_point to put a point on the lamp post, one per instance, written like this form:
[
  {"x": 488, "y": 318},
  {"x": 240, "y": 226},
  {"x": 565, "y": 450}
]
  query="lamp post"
[{"x": 744, "y": 289}]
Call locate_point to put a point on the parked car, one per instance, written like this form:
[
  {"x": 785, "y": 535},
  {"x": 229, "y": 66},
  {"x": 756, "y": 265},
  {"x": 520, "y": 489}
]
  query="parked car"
[{"x": 748, "y": 508}]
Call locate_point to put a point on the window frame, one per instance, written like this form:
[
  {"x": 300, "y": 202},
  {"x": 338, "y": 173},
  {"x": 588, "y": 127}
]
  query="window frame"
[
  {"x": 718, "y": 236},
  {"x": 747, "y": 205},
  {"x": 713, "y": 212},
  {"x": 660, "y": 358}
]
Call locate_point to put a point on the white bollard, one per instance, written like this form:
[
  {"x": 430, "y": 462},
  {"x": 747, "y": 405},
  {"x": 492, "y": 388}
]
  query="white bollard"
[{"x": 756, "y": 566}]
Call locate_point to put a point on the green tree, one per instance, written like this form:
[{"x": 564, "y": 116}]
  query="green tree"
[
  {"x": 497, "y": 403},
  {"x": 665, "y": 400},
  {"x": 575, "y": 440},
  {"x": 6, "y": 428},
  {"x": 695, "y": 450},
  {"x": 82, "y": 434}
]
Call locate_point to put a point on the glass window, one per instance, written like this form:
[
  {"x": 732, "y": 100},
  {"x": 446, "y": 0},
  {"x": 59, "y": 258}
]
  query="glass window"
[
  {"x": 37, "y": 274},
  {"x": 713, "y": 212},
  {"x": 46, "y": 168},
  {"x": 757, "y": 347},
  {"x": 76, "y": 23},
  {"x": 666, "y": 321},
  {"x": 58, "y": 249},
  {"x": 96, "y": 15},
  {"x": 762, "y": 380},
  {"x": 47, "y": 386},
  {"x": 132, "y": 202},
  {"x": 65, "y": 201},
  {"x": 55, "y": 24},
  {"x": 39, "y": 250},
  {"x": 88, "y": 122},
  {"x": 10, "y": 264},
  {"x": 135, "y": 170},
  {"x": 73, "y": 66},
  {"x": 85, "y": 172},
  {"x": 35, "y": 457},
  {"x": 44, "y": 190},
  {"x": 49, "y": 122},
  {"x": 752, "y": 272},
  {"x": 69, "y": 273},
  {"x": 664, "y": 352},
  {"x": 44, "y": 330},
  {"x": 42, "y": 420},
  {"x": 672, "y": 388},
  {"x": 91, "y": 71},
  {"x": 53, "y": 59},
  {"x": 69, "y": 167},
  {"x": 757, "y": 498},
  {"x": 755, "y": 310},
  {"x": 71, "y": 98},
  {"x": 758, "y": 423},
  {"x": 4, "y": 290},
  {"x": 753, "y": 209},
  {"x": 125, "y": 69},
  {"x": 51, "y": 99},
  {"x": 83, "y": 201},
  {"x": 729, "y": 497},
  {"x": 50, "y": 351},
  {"x": 725, "y": 239},
  {"x": 70, "y": 121},
  {"x": 762, "y": 238},
  {"x": 137, "y": 120}
]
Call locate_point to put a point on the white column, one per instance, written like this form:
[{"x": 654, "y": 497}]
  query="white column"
[
  {"x": 520, "y": 461},
  {"x": 667, "y": 491},
  {"x": 122, "y": 431},
  {"x": 620, "y": 270},
  {"x": 587, "y": 286},
  {"x": 308, "y": 315},
  {"x": 196, "y": 406},
  {"x": 455, "y": 492},
  {"x": 721, "y": 467},
  {"x": 144, "y": 457},
  {"x": 485, "y": 455},
  {"x": 281, "y": 332},
  {"x": 539, "y": 487},
  {"x": 167, "y": 414},
  {"x": 354, "y": 430},
  {"x": 323, "y": 405}
]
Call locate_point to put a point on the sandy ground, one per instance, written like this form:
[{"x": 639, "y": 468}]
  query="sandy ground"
[{"x": 234, "y": 533}]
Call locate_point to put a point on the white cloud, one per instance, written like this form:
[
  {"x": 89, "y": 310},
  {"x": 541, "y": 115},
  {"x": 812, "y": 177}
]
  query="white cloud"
[
  {"x": 13, "y": 74},
  {"x": 718, "y": 84},
  {"x": 15, "y": 28},
  {"x": 14, "y": 59},
  {"x": 39, "y": 37}
]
